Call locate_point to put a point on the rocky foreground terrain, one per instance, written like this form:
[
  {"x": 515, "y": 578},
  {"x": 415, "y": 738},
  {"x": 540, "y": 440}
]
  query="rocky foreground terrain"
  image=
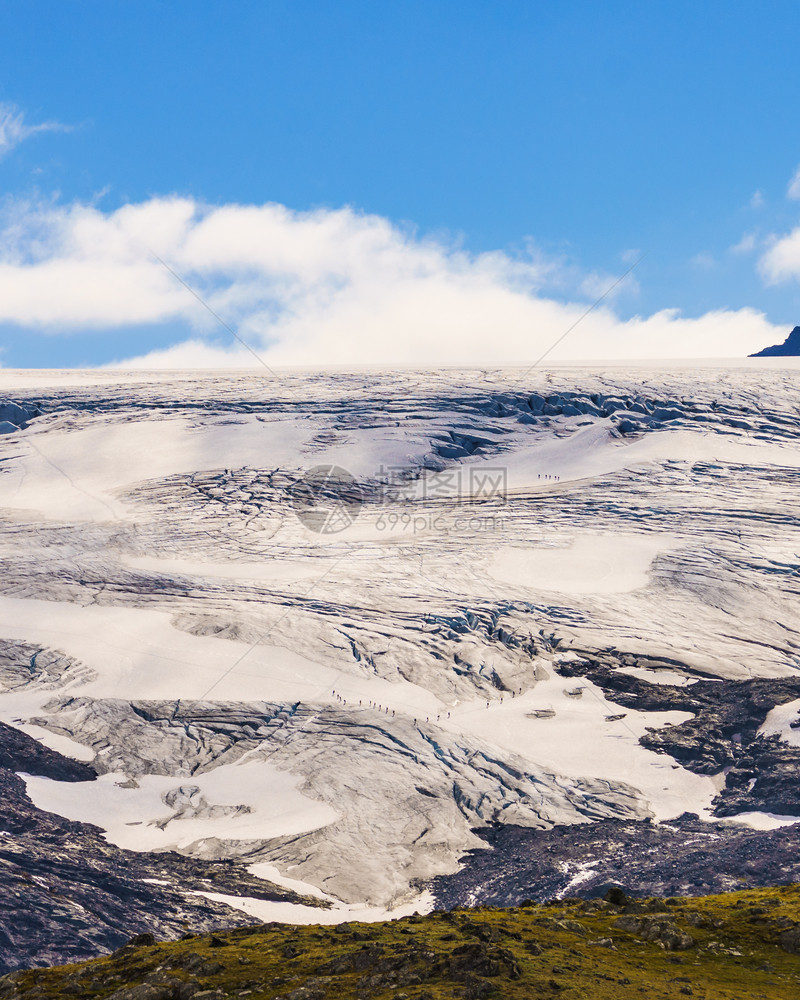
[
  {"x": 744, "y": 944},
  {"x": 327, "y": 648}
]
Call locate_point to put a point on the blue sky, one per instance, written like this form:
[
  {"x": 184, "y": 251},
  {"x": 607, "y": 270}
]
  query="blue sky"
[{"x": 529, "y": 151}]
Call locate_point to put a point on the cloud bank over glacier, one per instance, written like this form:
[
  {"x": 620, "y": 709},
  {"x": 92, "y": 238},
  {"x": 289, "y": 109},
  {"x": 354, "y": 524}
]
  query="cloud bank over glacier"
[{"x": 324, "y": 287}]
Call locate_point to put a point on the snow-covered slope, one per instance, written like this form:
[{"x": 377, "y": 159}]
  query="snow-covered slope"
[{"x": 540, "y": 596}]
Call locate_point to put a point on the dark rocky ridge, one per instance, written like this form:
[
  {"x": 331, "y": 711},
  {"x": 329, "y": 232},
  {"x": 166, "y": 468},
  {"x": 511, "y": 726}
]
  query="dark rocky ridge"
[
  {"x": 685, "y": 857},
  {"x": 790, "y": 348},
  {"x": 20, "y": 752}
]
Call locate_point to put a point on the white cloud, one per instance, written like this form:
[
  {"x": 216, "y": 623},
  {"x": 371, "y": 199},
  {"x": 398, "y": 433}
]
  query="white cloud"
[
  {"x": 192, "y": 354},
  {"x": 781, "y": 261},
  {"x": 13, "y": 129},
  {"x": 746, "y": 244},
  {"x": 793, "y": 191},
  {"x": 598, "y": 285},
  {"x": 313, "y": 288},
  {"x": 757, "y": 201}
]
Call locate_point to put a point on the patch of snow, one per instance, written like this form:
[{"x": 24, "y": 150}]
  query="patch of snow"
[
  {"x": 58, "y": 742},
  {"x": 271, "y": 874},
  {"x": 583, "y": 873},
  {"x": 669, "y": 678},
  {"x": 778, "y": 722},
  {"x": 578, "y": 741},
  {"x": 140, "y": 819},
  {"x": 756, "y": 820},
  {"x": 295, "y": 913},
  {"x": 592, "y": 564}
]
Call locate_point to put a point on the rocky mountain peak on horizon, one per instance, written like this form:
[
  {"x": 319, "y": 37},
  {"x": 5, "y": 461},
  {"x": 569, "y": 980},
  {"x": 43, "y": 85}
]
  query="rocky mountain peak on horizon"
[{"x": 790, "y": 348}]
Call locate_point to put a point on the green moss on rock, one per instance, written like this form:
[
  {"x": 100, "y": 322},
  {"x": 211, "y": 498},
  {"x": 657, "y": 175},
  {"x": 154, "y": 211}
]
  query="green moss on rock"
[{"x": 718, "y": 947}]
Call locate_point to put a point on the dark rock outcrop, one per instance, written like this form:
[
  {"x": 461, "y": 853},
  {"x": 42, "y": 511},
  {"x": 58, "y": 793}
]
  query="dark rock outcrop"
[
  {"x": 790, "y": 940},
  {"x": 20, "y": 752},
  {"x": 685, "y": 857},
  {"x": 653, "y": 927},
  {"x": 790, "y": 348}
]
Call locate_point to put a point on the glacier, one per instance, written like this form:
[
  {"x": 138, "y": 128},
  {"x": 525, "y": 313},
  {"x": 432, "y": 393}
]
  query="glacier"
[{"x": 558, "y": 600}]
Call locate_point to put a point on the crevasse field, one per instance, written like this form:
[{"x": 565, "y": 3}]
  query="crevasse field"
[{"x": 557, "y": 599}]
